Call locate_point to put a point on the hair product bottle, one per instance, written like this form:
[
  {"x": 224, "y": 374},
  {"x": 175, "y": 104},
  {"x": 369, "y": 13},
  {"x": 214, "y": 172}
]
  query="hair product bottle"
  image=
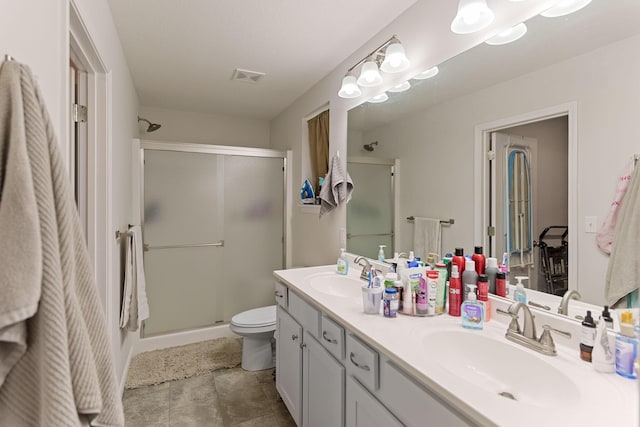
[
  {"x": 479, "y": 259},
  {"x": 455, "y": 288}
]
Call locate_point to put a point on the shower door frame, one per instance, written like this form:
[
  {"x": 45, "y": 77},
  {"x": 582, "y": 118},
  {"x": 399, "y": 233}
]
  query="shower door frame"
[{"x": 140, "y": 146}]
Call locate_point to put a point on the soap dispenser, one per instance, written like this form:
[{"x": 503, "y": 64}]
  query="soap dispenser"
[
  {"x": 381, "y": 253},
  {"x": 520, "y": 294},
  {"x": 472, "y": 311},
  {"x": 342, "y": 265}
]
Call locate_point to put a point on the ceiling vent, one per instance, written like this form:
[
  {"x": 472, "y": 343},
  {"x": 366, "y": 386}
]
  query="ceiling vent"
[{"x": 247, "y": 76}]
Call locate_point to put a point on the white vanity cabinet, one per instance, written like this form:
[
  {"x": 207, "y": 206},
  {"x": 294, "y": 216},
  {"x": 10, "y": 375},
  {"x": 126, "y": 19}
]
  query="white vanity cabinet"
[
  {"x": 289, "y": 363},
  {"x": 363, "y": 410}
]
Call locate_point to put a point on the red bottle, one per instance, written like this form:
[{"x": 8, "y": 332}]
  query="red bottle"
[
  {"x": 501, "y": 284},
  {"x": 459, "y": 260},
  {"x": 483, "y": 296},
  {"x": 480, "y": 260},
  {"x": 455, "y": 289}
]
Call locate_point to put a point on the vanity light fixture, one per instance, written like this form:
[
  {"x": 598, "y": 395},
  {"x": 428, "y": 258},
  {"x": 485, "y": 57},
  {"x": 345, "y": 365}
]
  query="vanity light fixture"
[
  {"x": 400, "y": 88},
  {"x": 388, "y": 57},
  {"x": 472, "y": 16},
  {"x": 565, "y": 7},
  {"x": 382, "y": 97},
  {"x": 509, "y": 35},
  {"x": 427, "y": 74}
]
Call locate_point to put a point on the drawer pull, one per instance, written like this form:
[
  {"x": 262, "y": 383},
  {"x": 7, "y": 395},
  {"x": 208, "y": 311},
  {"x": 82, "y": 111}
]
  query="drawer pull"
[
  {"x": 329, "y": 340},
  {"x": 278, "y": 294},
  {"x": 294, "y": 337},
  {"x": 363, "y": 367}
]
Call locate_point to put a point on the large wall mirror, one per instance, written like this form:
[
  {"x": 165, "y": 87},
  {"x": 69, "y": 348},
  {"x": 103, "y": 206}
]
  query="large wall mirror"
[{"x": 544, "y": 103}]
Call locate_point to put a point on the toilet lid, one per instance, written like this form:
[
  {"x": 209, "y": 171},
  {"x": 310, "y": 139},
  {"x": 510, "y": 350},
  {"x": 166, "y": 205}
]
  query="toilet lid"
[{"x": 257, "y": 317}]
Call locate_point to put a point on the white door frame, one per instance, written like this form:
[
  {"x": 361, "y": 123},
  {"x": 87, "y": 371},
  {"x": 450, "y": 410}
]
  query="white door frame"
[
  {"x": 99, "y": 240},
  {"x": 481, "y": 196}
]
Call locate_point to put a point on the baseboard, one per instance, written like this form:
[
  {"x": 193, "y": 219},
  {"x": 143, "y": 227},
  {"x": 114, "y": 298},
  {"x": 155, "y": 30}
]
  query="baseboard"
[{"x": 182, "y": 338}]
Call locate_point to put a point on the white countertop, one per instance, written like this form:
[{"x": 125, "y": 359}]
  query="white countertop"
[{"x": 599, "y": 400}]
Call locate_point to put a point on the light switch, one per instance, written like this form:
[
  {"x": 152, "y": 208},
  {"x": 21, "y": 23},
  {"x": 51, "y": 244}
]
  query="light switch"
[{"x": 590, "y": 224}]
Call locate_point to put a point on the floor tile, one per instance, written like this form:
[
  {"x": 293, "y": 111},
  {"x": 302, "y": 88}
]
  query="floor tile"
[
  {"x": 240, "y": 397},
  {"x": 193, "y": 390},
  {"x": 147, "y": 406},
  {"x": 266, "y": 421},
  {"x": 198, "y": 414}
]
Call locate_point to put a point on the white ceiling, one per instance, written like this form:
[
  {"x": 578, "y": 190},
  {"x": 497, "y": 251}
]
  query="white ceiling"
[{"x": 182, "y": 53}]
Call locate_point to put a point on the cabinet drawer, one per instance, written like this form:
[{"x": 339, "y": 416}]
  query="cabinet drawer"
[
  {"x": 332, "y": 337},
  {"x": 281, "y": 294},
  {"x": 362, "y": 362},
  {"x": 304, "y": 313},
  {"x": 411, "y": 402}
]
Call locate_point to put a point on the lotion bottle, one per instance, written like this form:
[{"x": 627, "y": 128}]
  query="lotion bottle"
[
  {"x": 602, "y": 356},
  {"x": 342, "y": 265},
  {"x": 472, "y": 311},
  {"x": 381, "y": 253}
]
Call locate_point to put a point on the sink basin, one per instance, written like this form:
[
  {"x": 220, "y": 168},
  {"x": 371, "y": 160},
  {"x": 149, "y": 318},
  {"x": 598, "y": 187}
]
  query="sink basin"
[
  {"x": 500, "y": 368},
  {"x": 335, "y": 285}
]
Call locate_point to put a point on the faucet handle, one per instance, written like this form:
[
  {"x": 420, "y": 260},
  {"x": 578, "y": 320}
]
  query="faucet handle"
[
  {"x": 514, "y": 326},
  {"x": 556, "y": 331},
  {"x": 547, "y": 341}
]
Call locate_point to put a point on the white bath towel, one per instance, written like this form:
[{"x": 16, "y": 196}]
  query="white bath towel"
[
  {"x": 65, "y": 376},
  {"x": 336, "y": 189},
  {"x": 623, "y": 272},
  {"x": 426, "y": 237},
  {"x": 135, "y": 307}
]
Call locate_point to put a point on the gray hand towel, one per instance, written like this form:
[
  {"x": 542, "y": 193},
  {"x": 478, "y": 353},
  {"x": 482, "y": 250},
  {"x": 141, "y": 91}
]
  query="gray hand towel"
[{"x": 336, "y": 189}]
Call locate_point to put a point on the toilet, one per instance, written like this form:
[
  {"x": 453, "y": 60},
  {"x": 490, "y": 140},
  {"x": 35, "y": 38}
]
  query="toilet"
[{"x": 257, "y": 327}]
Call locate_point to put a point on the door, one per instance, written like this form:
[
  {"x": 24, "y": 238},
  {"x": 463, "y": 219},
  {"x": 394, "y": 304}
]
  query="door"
[
  {"x": 213, "y": 234},
  {"x": 323, "y": 382},
  {"x": 514, "y": 207},
  {"x": 289, "y": 363},
  {"x": 363, "y": 410},
  {"x": 370, "y": 211}
]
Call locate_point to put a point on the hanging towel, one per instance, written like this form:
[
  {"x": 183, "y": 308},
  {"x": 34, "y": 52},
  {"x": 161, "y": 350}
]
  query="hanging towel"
[
  {"x": 135, "y": 307},
  {"x": 65, "y": 376},
  {"x": 604, "y": 238},
  {"x": 336, "y": 189},
  {"x": 426, "y": 236},
  {"x": 623, "y": 272}
]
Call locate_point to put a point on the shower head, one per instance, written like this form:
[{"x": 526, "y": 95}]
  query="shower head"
[
  {"x": 152, "y": 126},
  {"x": 369, "y": 146}
]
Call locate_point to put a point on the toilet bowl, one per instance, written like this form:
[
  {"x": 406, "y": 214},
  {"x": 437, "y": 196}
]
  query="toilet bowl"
[{"x": 256, "y": 327}]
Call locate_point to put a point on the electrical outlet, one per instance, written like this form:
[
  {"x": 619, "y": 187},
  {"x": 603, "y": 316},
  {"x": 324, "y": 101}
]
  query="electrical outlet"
[{"x": 590, "y": 224}]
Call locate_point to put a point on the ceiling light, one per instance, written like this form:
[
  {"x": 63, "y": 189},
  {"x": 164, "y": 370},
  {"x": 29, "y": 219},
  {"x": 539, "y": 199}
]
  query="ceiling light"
[
  {"x": 565, "y": 7},
  {"x": 370, "y": 74},
  {"x": 427, "y": 74},
  {"x": 401, "y": 87},
  {"x": 379, "y": 98},
  {"x": 395, "y": 60},
  {"x": 389, "y": 56},
  {"x": 349, "y": 88},
  {"x": 507, "y": 36},
  {"x": 472, "y": 16}
]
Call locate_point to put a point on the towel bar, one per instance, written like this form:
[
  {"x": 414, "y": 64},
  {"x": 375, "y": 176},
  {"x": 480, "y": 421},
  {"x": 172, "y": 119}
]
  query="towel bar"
[
  {"x": 449, "y": 221},
  {"x": 120, "y": 234}
]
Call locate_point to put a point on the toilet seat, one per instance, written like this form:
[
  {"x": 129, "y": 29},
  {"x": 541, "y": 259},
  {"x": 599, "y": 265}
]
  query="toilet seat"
[{"x": 255, "y": 318}]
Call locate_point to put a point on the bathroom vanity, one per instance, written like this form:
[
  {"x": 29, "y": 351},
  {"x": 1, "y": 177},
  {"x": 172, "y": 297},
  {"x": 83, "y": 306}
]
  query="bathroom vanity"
[{"x": 337, "y": 366}]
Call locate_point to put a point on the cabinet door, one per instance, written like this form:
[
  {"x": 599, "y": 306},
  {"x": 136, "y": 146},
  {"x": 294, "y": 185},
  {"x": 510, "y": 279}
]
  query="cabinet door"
[
  {"x": 289, "y": 363},
  {"x": 363, "y": 410},
  {"x": 323, "y": 386}
]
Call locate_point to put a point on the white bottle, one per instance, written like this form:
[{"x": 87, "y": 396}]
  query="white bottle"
[
  {"x": 342, "y": 265},
  {"x": 603, "y": 356},
  {"x": 520, "y": 294},
  {"x": 381, "y": 253}
]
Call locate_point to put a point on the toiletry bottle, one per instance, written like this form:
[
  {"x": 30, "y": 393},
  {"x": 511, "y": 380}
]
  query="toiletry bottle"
[
  {"x": 432, "y": 291},
  {"x": 469, "y": 277},
  {"x": 520, "y": 294},
  {"x": 400, "y": 291},
  {"x": 407, "y": 301},
  {"x": 483, "y": 296},
  {"x": 459, "y": 260},
  {"x": 505, "y": 263},
  {"x": 479, "y": 259},
  {"x": 471, "y": 311},
  {"x": 606, "y": 317},
  {"x": 342, "y": 265},
  {"x": 587, "y": 337},
  {"x": 390, "y": 280},
  {"x": 626, "y": 347},
  {"x": 602, "y": 356},
  {"x": 390, "y": 302},
  {"x": 455, "y": 287},
  {"x": 501, "y": 284},
  {"x": 492, "y": 271},
  {"x": 381, "y": 253},
  {"x": 422, "y": 295},
  {"x": 441, "y": 295}
]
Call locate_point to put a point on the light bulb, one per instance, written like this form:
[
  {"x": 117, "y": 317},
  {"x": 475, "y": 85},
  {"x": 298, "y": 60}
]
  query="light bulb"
[
  {"x": 400, "y": 87},
  {"x": 379, "y": 98},
  {"x": 565, "y": 7},
  {"x": 349, "y": 88},
  {"x": 395, "y": 59},
  {"x": 472, "y": 16},
  {"x": 510, "y": 35},
  {"x": 369, "y": 75},
  {"x": 427, "y": 74}
]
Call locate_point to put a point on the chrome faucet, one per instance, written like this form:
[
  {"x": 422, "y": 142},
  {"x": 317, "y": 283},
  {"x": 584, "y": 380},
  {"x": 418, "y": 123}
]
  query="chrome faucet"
[
  {"x": 366, "y": 268},
  {"x": 563, "y": 308},
  {"x": 527, "y": 336}
]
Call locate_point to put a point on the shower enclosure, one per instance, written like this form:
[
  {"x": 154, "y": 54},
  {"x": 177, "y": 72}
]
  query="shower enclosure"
[{"x": 213, "y": 229}]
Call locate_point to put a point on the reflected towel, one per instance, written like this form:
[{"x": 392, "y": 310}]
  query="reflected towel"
[
  {"x": 623, "y": 272},
  {"x": 135, "y": 307},
  {"x": 336, "y": 189},
  {"x": 426, "y": 237},
  {"x": 604, "y": 238}
]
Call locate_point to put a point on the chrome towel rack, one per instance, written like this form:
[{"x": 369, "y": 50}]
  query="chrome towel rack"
[
  {"x": 120, "y": 234},
  {"x": 449, "y": 221}
]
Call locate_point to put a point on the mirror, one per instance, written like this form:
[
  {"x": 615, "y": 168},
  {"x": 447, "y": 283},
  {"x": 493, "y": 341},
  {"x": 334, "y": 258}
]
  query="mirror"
[{"x": 585, "y": 63}]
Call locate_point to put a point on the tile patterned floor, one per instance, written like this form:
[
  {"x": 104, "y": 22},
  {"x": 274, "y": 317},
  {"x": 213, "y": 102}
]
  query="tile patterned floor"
[{"x": 227, "y": 397}]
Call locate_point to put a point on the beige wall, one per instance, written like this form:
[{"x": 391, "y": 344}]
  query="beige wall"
[{"x": 217, "y": 129}]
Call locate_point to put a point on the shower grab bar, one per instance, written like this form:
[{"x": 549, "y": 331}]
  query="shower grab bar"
[{"x": 195, "y": 245}]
